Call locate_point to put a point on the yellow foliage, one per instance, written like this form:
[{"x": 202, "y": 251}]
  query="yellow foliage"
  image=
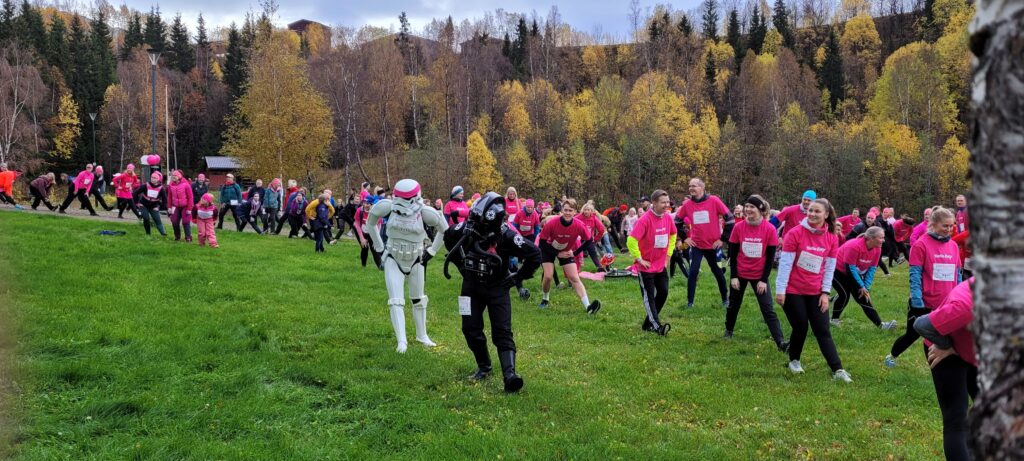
[
  {"x": 724, "y": 57},
  {"x": 944, "y": 12},
  {"x": 861, "y": 49},
  {"x": 281, "y": 125},
  {"x": 563, "y": 171},
  {"x": 954, "y": 159},
  {"x": 66, "y": 126},
  {"x": 216, "y": 70},
  {"x": 595, "y": 62},
  {"x": 897, "y": 146},
  {"x": 913, "y": 92},
  {"x": 483, "y": 125},
  {"x": 516, "y": 121},
  {"x": 317, "y": 39},
  {"x": 483, "y": 174},
  {"x": 522, "y": 173},
  {"x": 579, "y": 115},
  {"x": 819, "y": 57},
  {"x": 772, "y": 42}
]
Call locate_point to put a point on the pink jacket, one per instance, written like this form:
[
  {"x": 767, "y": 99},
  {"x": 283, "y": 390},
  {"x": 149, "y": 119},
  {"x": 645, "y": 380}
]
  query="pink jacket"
[
  {"x": 125, "y": 184},
  {"x": 460, "y": 208},
  {"x": 179, "y": 195},
  {"x": 84, "y": 181}
]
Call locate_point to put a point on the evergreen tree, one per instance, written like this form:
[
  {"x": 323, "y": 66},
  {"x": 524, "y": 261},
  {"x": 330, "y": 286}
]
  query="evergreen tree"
[
  {"x": 102, "y": 64},
  {"x": 30, "y": 29},
  {"x": 710, "y": 72},
  {"x": 234, "y": 63},
  {"x": 732, "y": 36},
  {"x": 520, "y": 50},
  {"x": 133, "y": 36},
  {"x": 303, "y": 47},
  {"x": 57, "y": 44},
  {"x": 182, "y": 56},
  {"x": 830, "y": 76},
  {"x": 758, "y": 30},
  {"x": 780, "y": 19},
  {"x": 710, "y": 17},
  {"x": 684, "y": 26},
  {"x": 506, "y": 47},
  {"x": 202, "y": 46},
  {"x": 79, "y": 75},
  {"x": 7, "y": 16},
  {"x": 156, "y": 31}
]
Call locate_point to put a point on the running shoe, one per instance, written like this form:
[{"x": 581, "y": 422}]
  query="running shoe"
[
  {"x": 524, "y": 293},
  {"x": 664, "y": 329},
  {"x": 783, "y": 347},
  {"x": 890, "y": 361},
  {"x": 842, "y": 375},
  {"x": 888, "y": 325},
  {"x": 727, "y": 335},
  {"x": 835, "y": 322},
  {"x": 725, "y": 304},
  {"x": 689, "y": 306},
  {"x": 543, "y": 304},
  {"x": 19, "y": 207},
  {"x": 594, "y": 306},
  {"x": 794, "y": 366}
]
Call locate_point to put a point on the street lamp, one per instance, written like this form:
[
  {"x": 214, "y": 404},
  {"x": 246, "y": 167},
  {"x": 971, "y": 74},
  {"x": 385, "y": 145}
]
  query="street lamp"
[
  {"x": 92, "y": 116},
  {"x": 154, "y": 57}
]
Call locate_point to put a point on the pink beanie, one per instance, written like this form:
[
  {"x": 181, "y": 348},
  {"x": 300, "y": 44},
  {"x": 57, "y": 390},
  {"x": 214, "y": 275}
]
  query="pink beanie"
[
  {"x": 874, "y": 210},
  {"x": 207, "y": 198},
  {"x": 99, "y": 169},
  {"x": 159, "y": 177},
  {"x": 529, "y": 203},
  {"x": 201, "y": 177},
  {"x": 276, "y": 182},
  {"x": 131, "y": 166}
]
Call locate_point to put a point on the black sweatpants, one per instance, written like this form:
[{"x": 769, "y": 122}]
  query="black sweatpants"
[
  {"x": 295, "y": 223},
  {"x": 223, "y": 212},
  {"x": 904, "y": 342},
  {"x": 127, "y": 204},
  {"x": 955, "y": 380},
  {"x": 499, "y": 308},
  {"x": 365, "y": 252},
  {"x": 847, "y": 288},
  {"x": 320, "y": 235},
  {"x": 38, "y": 197},
  {"x": 764, "y": 301},
  {"x": 691, "y": 281},
  {"x": 269, "y": 219},
  {"x": 802, "y": 310},
  {"x": 654, "y": 292},
  {"x": 678, "y": 259},
  {"x": 95, "y": 193},
  {"x": 253, "y": 221},
  {"x": 7, "y": 198},
  {"x": 344, "y": 219},
  {"x": 82, "y": 198}
]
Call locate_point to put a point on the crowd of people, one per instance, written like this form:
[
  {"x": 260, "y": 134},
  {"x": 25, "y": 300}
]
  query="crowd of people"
[{"x": 822, "y": 260}]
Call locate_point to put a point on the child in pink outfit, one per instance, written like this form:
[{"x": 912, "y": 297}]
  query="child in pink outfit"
[{"x": 205, "y": 214}]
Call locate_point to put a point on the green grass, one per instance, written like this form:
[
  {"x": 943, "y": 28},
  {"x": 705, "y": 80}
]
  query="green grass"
[{"x": 138, "y": 347}]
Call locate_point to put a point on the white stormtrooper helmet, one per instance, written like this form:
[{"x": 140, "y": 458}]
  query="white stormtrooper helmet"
[{"x": 408, "y": 197}]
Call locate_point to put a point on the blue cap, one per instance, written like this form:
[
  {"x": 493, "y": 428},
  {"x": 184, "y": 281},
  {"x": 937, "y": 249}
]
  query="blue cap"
[
  {"x": 456, "y": 191},
  {"x": 810, "y": 194}
]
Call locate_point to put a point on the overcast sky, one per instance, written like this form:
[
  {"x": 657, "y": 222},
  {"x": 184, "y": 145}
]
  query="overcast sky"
[{"x": 610, "y": 17}]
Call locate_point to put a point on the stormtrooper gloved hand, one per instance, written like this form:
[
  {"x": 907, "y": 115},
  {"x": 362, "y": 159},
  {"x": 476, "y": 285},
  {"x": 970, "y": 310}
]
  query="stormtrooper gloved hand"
[{"x": 427, "y": 256}]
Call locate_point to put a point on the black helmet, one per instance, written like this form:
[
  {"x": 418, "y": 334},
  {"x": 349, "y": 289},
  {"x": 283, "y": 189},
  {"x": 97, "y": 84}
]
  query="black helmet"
[{"x": 488, "y": 214}]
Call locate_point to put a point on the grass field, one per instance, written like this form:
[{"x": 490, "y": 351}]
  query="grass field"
[{"x": 137, "y": 347}]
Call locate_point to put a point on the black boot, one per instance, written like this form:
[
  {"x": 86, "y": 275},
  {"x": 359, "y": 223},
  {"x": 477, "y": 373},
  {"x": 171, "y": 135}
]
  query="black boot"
[
  {"x": 513, "y": 382},
  {"x": 483, "y": 362}
]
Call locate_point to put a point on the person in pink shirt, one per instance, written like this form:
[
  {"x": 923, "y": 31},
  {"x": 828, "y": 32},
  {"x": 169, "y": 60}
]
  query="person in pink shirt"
[
  {"x": 589, "y": 216},
  {"x": 651, "y": 243},
  {"x": 962, "y": 221},
  {"x": 456, "y": 210},
  {"x": 752, "y": 246},
  {"x": 855, "y": 273},
  {"x": 83, "y": 184},
  {"x": 179, "y": 205},
  {"x": 901, "y": 235},
  {"x": 205, "y": 214},
  {"x": 953, "y": 363},
  {"x": 562, "y": 239},
  {"x": 804, "y": 283},
  {"x": 791, "y": 216},
  {"x": 526, "y": 221},
  {"x": 850, "y": 221},
  {"x": 706, "y": 214},
  {"x": 934, "y": 272},
  {"x": 124, "y": 184},
  {"x": 512, "y": 202},
  {"x": 921, "y": 228}
]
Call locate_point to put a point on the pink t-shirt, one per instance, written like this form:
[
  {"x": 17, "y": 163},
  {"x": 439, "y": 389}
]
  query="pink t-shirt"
[
  {"x": 594, "y": 225},
  {"x": 849, "y": 222},
  {"x": 790, "y": 218},
  {"x": 811, "y": 249},
  {"x": 460, "y": 207},
  {"x": 511, "y": 207},
  {"x": 901, "y": 230},
  {"x": 705, "y": 220},
  {"x": 125, "y": 185},
  {"x": 856, "y": 253},
  {"x": 919, "y": 230},
  {"x": 962, "y": 220},
  {"x": 754, "y": 242},
  {"x": 525, "y": 223},
  {"x": 653, "y": 234},
  {"x": 564, "y": 237},
  {"x": 953, "y": 317},
  {"x": 940, "y": 264}
]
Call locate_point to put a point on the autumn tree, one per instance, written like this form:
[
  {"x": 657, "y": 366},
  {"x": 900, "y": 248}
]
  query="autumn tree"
[
  {"x": 21, "y": 89},
  {"x": 563, "y": 172},
  {"x": 65, "y": 126},
  {"x": 520, "y": 169},
  {"x": 281, "y": 126},
  {"x": 830, "y": 72},
  {"x": 483, "y": 174},
  {"x": 913, "y": 92},
  {"x": 861, "y": 51}
]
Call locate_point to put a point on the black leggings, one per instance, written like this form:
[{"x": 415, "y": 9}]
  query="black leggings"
[
  {"x": 691, "y": 281},
  {"x": 592, "y": 252},
  {"x": 38, "y": 197},
  {"x": 223, "y": 212},
  {"x": 100, "y": 200},
  {"x": 82, "y": 198},
  {"x": 614, "y": 234},
  {"x": 955, "y": 380},
  {"x": 764, "y": 301},
  {"x": 881, "y": 265},
  {"x": 253, "y": 221},
  {"x": 295, "y": 223},
  {"x": 802, "y": 310},
  {"x": 847, "y": 288},
  {"x": 903, "y": 249},
  {"x": 654, "y": 292},
  {"x": 7, "y": 197},
  {"x": 126, "y": 204},
  {"x": 904, "y": 342},
  {"x": 678, "y": 259},
  {"x": 321, "y": 234},
  {"x": 345, "y": 219}
]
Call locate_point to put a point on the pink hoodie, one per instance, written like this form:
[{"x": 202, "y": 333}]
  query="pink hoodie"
[
  {"x": 179, "y": 194},
  {"x": 84, "y": 181}
]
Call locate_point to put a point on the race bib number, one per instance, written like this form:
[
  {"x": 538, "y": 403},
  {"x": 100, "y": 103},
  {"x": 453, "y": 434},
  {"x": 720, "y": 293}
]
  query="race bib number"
[
  {"x": 701, "y": 217},
  {"x": 465, "y": 306},
  {"x": 810, "y": 262},
  {"x": 661, "y": 241},
  {"x": 752, "y": 249},
  {"x": 205, "y": 214},
  {"x": 525, "y": 228},
  {"x": 86, "y": 181},
  {"x": 152, "y": 193},
  {"x": 234, "y": 203},
  {"x": 558, "y": 245},
  {"x": 944, "y": 272}
]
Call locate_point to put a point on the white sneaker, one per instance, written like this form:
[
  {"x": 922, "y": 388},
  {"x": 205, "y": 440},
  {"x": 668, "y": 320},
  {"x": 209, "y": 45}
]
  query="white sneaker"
[
  {"x": 842, "y": 375},
  {"x": 888, "y": 325},
  {"x": 835, "y": 322},
  {"x": 795, "y": 367}
]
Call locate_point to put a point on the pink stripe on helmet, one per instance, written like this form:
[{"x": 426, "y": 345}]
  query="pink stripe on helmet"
[{"x": 408, "y": 194}]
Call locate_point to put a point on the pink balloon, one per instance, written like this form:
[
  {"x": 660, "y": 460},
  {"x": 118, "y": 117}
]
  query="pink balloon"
[{"x": 153, "y": 160}]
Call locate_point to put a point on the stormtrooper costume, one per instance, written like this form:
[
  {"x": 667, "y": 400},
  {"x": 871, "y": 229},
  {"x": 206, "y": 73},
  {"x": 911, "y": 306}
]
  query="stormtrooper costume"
[
  {"x": 405, "y": 255},
  {"x": 482, "y": 247}
]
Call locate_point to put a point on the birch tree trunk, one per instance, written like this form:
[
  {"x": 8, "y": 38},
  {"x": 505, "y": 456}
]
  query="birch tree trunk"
[{"x": 997, "y": 228}]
